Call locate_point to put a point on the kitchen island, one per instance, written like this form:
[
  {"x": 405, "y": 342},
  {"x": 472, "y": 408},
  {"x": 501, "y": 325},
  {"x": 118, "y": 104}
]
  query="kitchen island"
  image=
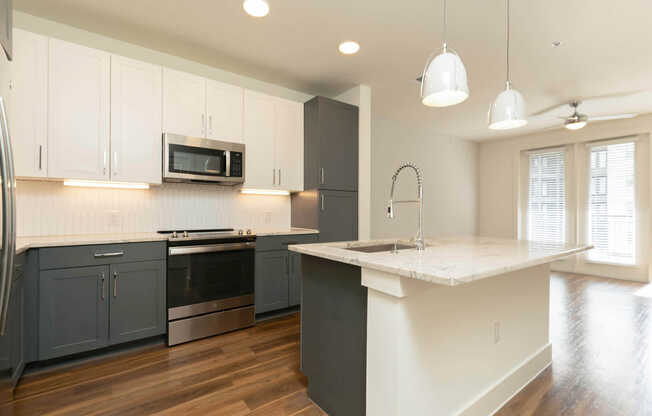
[{"x": 457, "y": 329}]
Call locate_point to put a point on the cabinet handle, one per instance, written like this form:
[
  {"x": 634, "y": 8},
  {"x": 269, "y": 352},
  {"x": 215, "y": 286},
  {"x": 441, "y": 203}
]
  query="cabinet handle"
[
  {"x": 102, "y": 278},
  {"x": 203, "y": 124},
  {"x": 104, "y": 170},
  {"x": 115, "y": 163},
  {"x": 323, "y": 205},
  {"x": 40, "y": 157},
  {"x": 322, "y": 176},
  {"x": 273, "y": 176},
  {"x": 114, "y": 254},
  {"x": 279, "y": 176},
  {"x": 115, "y": 284},
  {"x": 287, "y": 265},
  {"x": 210, "y": 124}
]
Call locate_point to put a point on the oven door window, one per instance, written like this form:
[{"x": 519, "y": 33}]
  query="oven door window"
[
  {"x": 197, "y": 278},
  {"x": 197, "y": 161}
]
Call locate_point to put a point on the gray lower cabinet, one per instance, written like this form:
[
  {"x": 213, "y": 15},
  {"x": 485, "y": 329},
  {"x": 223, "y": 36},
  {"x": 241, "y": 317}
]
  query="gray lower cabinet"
[
  {"x": 338, "y": 216},
  {"x": 12, "y": 343},
  {"x": 83, "y": 305},
  {"x": 137, "y": 308},
  {"x": 74, "y": 308},
  {"x": 295, "y": 279},
  {"x": 272, "y": 270}
]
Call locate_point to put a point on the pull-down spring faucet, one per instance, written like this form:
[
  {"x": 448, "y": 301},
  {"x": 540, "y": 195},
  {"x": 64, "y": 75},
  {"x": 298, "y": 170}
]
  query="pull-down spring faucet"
[{"x": 390, "y": 205}]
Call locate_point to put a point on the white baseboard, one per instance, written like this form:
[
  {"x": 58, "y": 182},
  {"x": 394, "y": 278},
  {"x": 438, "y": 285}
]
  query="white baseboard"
[{"x": 494, "y": 398}]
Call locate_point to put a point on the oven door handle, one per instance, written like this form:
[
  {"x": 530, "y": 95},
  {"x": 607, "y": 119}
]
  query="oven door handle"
[{"x": 210, "y": 248}]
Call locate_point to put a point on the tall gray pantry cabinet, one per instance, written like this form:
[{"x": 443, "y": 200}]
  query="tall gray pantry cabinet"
[{"x": 330, "y": 200}]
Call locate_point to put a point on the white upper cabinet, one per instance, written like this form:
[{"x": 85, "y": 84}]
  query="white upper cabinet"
[
  {"x": 78, "y": 111},
  {"x": 289, "y": 144},
  {"x": 259, "y": 125},
  {"x": 184, "y": 103},
  {"x": 273, "y": 132},
  {"x": 28, "y": 109},
  {"x": 224, "y": 106},
  {"x": 136, "y": 134}
]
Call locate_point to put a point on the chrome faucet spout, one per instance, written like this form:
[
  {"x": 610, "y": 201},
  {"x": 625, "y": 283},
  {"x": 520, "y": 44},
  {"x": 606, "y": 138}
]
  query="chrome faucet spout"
[{"x": 419, "y": 240}]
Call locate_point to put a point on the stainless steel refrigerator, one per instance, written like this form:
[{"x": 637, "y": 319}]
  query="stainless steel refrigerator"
[{"x": 8, "y": 206}]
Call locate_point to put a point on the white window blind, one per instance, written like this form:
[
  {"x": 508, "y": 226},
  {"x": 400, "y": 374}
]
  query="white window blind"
[
  {"x": 612, "y": 203},
  {"x": 546, "y": 212}
]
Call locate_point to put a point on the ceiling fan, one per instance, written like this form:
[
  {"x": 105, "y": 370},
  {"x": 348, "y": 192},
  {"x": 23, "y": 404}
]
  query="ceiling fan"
[
  {"x": 595, "y": 109},
  {"x": 578, "y": 120}
]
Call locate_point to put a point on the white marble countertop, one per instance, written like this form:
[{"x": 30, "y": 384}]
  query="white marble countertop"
[
  {"x": 25, "y": 243},
  {"x": 447, "y": 261}
]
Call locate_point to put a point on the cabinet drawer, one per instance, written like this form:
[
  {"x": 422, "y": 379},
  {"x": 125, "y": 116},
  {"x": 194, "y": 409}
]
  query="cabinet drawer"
[
  {"x": 93, "y": 255},
  {"x": 281, "y": 242}
]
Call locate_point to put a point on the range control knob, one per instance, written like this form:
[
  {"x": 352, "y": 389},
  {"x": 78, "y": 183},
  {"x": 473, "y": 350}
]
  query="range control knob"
[
  {"x": 240, "y": 232},
  {"x": 185, "y": 234},
  {"x": 174, "y": 234},
  {"x": 248, "y": 231}
]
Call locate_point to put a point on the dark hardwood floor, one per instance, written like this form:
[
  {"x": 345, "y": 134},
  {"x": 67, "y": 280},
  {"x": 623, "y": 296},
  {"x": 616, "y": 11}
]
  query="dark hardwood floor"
[
  {"x": 602, "y": 365},
  {"x": 601, "y": 331}
]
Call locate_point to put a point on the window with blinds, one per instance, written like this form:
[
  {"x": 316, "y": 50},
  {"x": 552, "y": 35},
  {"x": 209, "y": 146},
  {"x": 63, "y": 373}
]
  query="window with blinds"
[
  {"x": 546, "y": 208},
  {"x": 612, "y": 203}
]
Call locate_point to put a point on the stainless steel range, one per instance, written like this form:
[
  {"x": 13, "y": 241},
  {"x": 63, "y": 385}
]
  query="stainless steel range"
[{"x": 210, "y": 282}]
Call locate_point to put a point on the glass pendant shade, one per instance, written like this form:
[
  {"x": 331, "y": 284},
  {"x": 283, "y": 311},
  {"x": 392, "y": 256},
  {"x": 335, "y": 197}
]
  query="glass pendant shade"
[
  {"x": 507, "y": 111},
  {"x": 444, "y": 81}
]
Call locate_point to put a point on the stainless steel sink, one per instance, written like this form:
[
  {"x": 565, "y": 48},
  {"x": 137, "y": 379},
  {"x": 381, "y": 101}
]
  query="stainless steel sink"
[{"x": 378, "y": 248}]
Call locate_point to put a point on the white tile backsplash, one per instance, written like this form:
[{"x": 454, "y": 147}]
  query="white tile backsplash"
[{"x": 49, "y": 208}]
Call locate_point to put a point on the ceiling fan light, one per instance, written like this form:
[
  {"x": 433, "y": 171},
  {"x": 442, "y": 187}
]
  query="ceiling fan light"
[
  {"x": 444, "y": 81},
  {"x": 507, "y": 111},
  {"x": 575, "y": 125}
]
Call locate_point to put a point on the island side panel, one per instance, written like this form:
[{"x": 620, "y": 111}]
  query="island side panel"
[
  {"x": 431, "y": 348},
  {"x": 334, "y": 335}
]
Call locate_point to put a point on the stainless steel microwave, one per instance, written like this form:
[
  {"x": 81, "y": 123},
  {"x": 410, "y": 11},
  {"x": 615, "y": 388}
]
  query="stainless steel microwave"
[{"x": 192, "y": 159}]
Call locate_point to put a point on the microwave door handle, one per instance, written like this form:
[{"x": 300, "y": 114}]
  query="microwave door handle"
[{"x": 8, "y": 217}]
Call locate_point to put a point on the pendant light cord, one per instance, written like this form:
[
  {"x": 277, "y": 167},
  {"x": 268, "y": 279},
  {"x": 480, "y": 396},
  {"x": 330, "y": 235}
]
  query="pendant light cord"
[
  {"x": 507, "y": 20},
  {"x": 445, "y": 23}
]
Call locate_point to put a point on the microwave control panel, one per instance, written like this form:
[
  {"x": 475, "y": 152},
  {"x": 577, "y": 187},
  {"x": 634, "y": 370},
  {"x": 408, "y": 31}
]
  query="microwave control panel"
[{"x": 236, "y": 164}]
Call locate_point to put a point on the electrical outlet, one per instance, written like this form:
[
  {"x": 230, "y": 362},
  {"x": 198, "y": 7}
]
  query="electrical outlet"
[{"x": 496, "y": 328}]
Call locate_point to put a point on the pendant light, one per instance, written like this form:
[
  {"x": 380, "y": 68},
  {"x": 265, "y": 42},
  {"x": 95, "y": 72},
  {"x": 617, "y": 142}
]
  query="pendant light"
[
  {"x": 508, "y": 110},
  {"x": 443, "y": 82}
]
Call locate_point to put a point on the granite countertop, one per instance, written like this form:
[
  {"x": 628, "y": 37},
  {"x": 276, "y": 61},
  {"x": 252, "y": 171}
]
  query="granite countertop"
[
  {"x": 448, "y": 261},
  {"x": 25, "y": 243}
]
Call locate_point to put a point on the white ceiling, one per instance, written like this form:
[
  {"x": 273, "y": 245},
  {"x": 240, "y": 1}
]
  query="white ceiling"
[{"x": 606, "y": 47}]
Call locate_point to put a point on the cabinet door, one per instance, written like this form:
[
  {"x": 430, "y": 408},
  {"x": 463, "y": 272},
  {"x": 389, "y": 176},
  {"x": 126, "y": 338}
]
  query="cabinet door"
[
  {"x": 137, "y": 293},
  {"x": 184, "y": 103},
  {"x": 135, "y": 121},
  {"x": 78, "y": 112},
  {"x": 28, "y": 109},
  {"x": 73, "y": 311},
  {"x": 12, "y": 342},
  {"x": 289, "y": 144},
  {"x": 338, "y": 132},
  {"x": 259, "y": 128},
  {"x": 338, "y": 216},
  {"x": 272, "y": 271},
  {"x": 224, "y": 108},
  {"x": 295, "y": 279}
]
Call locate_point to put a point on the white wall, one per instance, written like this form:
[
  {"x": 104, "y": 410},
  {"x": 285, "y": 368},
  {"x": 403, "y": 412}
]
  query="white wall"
[
  {"x": 361, "y": 96},
  {"x": 499, "y": 177},
  {"x": 49, "y": 208},
  {"x": 450, "y": 181}
]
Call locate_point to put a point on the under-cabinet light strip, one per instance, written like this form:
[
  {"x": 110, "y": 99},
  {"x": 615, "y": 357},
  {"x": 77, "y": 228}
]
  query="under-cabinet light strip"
[{"x": 115, "y": 185}]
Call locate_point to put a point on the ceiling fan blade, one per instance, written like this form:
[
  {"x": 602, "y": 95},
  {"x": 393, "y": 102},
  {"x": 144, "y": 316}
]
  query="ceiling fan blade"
[{"x": 613, "y": 117}]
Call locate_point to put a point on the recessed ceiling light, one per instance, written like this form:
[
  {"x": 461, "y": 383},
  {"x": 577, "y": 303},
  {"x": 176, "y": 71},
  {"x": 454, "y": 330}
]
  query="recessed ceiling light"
[
  {"x": 256, "y": 8},
  {"x": 556, "y": 43},
  {"x": 349, "y": 47}
]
